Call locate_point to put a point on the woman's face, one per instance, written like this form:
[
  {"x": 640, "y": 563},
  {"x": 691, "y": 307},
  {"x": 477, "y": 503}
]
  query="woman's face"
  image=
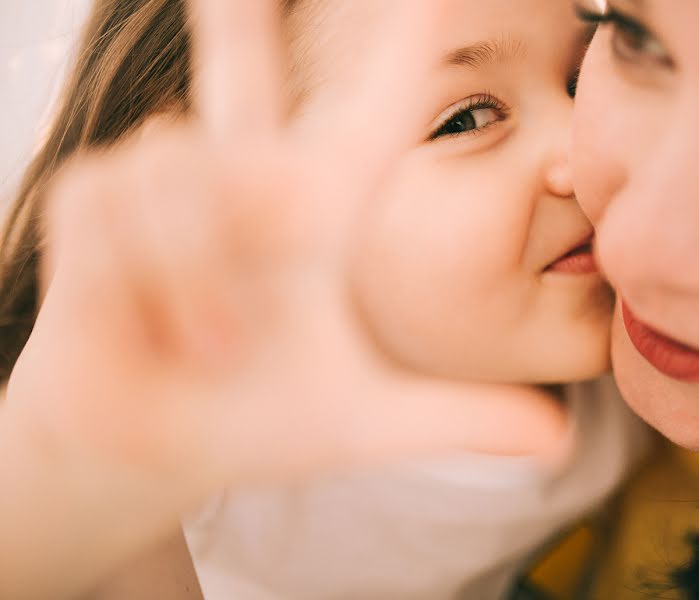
[
  {"x": 476, "y": 261},
  {"x": 636, "y": 171}
]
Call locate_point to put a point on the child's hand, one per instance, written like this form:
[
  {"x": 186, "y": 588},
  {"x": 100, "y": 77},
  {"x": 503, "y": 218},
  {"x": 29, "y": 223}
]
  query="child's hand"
[{"x": 197, "y": 324}]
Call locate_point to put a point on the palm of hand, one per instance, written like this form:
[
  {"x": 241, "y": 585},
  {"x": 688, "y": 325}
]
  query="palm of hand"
[{"x": 197, "y": 323}]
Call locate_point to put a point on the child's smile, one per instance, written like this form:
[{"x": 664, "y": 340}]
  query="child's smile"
[{"x": 477, "y": 263}]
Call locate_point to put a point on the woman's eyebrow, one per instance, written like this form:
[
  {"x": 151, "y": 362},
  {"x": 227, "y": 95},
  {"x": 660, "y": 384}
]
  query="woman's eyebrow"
[{"x": 481, "y": 54}]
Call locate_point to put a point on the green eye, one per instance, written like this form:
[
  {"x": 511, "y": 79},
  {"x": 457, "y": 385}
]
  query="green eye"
[{"x": 468, "y": 121}]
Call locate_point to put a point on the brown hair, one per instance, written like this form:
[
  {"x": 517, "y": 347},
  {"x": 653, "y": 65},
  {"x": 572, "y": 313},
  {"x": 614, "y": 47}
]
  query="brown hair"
[{"x": 133, "y": 62}]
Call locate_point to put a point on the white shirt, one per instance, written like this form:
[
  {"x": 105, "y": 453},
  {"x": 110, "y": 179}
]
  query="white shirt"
[{"x": 459, "y": 529}]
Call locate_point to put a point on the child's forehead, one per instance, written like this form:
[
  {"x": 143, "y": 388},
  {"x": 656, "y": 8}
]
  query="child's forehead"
[
  {"x": 327, "y": 36},
  {"x": 468, "y": 21}
]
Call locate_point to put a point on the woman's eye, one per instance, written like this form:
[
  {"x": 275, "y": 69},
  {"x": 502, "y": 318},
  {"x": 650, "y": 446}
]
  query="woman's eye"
[
  {"x": 468, "y": 121},
  {"x": 633, "y": 43}
]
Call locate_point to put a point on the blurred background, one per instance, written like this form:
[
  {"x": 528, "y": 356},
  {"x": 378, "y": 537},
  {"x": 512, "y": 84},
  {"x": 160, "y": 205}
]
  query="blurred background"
[{"x": 36, "y": 41}]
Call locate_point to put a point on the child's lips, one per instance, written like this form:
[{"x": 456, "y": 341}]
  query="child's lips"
[{"x": 578, "y": 261}]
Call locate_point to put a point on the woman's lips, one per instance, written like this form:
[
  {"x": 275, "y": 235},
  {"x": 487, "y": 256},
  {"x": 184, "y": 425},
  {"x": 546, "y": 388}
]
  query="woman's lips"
[
  {"x": 668, "y": 356},
  {"x": 579, "y": 261}
]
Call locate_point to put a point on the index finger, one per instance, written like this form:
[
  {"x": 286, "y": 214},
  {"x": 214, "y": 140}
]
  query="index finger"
[
  {"x": 236, "y": 66},
  {"x": 385, "y": 91}
]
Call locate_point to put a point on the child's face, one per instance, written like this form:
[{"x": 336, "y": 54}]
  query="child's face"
[{"x": 455, "y": 277}]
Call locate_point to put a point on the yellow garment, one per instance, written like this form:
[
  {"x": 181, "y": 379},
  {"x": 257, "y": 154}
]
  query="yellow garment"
[
  {"x": 629, "y": 551},
  {"x": 656, "y": 511},
  {"x": 563, "y": 570}
]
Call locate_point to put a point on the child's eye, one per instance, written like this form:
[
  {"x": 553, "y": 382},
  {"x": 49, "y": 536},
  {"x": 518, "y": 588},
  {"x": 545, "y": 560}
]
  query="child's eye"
[
  {"x": 632, "y": 42},
  {"x": 469, "y": 116}
]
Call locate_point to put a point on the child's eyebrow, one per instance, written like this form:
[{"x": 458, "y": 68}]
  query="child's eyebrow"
[{"x": 480, "y": 54}]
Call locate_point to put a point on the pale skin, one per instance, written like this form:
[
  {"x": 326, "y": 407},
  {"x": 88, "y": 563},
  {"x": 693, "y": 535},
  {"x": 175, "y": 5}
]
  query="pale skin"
[
  {"x": 635, "y": 166},
  {"x": 452, "y": 252},
  {"x": 618, "y": 186},
  {"x": 179, "y": 274},
  {"x": 453, "y": 275},
  {"x": 163, "y": 571}
]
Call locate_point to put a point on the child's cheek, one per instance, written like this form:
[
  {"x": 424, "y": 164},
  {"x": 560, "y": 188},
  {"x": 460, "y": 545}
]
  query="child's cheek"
[{"x": 430, "y": 254}]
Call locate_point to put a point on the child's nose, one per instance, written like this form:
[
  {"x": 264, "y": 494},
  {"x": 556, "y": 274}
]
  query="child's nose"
[{"x": 559, "y": 180}]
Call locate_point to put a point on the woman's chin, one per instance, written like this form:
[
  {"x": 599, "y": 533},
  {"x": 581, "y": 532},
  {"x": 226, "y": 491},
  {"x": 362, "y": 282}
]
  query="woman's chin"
[{"x": 669, "y": 405}]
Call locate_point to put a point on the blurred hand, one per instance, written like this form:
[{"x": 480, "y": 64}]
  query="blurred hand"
[{"x": 197, "y": 325}]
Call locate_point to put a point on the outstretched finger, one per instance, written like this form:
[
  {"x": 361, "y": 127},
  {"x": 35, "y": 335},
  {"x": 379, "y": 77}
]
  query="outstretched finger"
[
  {"x": 388, "y": 422},
  {"x": 432, "y": 419},
  {"x": 236, "y": 66},
  {"x": 387, "y": 105}
]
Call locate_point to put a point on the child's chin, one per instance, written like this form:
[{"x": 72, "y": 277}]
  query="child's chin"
[
  {"x": 581, "y": 374},
  {"x": 581, "y": 364},
  {"x": 583, "y": 354},
  {"x": 590, "y": 367}
]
